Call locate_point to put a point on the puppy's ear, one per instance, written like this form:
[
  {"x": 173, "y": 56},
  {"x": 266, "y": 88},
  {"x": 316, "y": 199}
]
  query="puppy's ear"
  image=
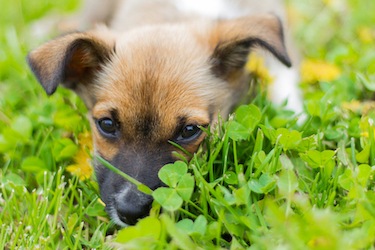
[
  {"x": 233, "y": 40},
  {"x": 71, "y": 60}
]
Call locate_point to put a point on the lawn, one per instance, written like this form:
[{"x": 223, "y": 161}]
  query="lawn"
[{"x": 262, "y": 180}]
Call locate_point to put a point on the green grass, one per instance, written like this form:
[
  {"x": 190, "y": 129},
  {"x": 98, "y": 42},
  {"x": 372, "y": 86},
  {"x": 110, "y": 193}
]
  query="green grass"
[{"x": 263, "y": 181}]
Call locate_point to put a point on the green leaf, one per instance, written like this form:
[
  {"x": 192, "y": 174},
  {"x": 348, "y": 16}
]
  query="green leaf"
[
  {"x": 64, "y": 149},
  {"x": 147, "y": 227},
  {"x": 320, "y": 158},
  {"x": 364, "y": 171},
  {"x": 270, "y": 133},
  {"x": 248, "y": 116},
  {"x": 345, "y": 180},
  {"x": 265, "y": 184},
  {"x": 34, "y": 165},
  {"x": 68, "y": 152},
  {"x": 238, "y": 132},
  {"x": 241, "y": 195},
  {"x": 73, "y": 219},
  {"x": 313, "y": 107},
  {"x": 307, "y": 144},
  {"x": 286, "y": 163},
  {"x": 185, "y": 187},
  {"x": 178, "y": 235},
  {"x": 259, "y": 141},
  {"x": 260, "y": 157},
  {"x": 66, "y": 117},
  {"x": 200, "y": 225},
  {"x": 287, "y": 182},
  {"x": 367, "y": 83},
  {"x": 128, "y": 234},
  {"x": 364, "y": 155},
  {"x": 255, "y": 186},
  {"x": 168, "y": 198},
  {"x": 341, "y": 153},
  {"x": 12, "y": 177},
  {"x": 95, "y": 210},
  {"x": 23, "y": 126},
  {"x": 230, "y": 178},
  {"x": 171, "y": 174},
  {"x": 279, "y": 121},
  {"x": 186, "y": 225},
  {"x": 289, "y": 139}
]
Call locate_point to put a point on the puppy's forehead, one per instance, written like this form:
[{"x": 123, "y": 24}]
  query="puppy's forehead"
[{"x": 159, "y": 75}]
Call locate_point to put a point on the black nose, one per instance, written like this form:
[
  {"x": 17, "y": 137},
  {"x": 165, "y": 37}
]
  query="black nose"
[{"x": 129, "y": 212}]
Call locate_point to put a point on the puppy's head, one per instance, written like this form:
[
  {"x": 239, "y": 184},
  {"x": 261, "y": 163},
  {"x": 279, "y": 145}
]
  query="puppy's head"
[{"x": 150, "y": 86}]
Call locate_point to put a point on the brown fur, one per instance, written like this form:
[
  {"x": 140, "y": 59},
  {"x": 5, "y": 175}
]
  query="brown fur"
[{"x": 152, "y": 82}]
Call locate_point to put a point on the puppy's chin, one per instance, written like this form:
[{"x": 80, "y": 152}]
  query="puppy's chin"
[
  {"x": 114, "y": 216},
  {"x": 127, "y": 204}
]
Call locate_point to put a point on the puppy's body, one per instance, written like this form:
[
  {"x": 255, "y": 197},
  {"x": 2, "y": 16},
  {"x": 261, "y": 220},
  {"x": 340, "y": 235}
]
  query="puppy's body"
[{"x": 163, "y": 69}]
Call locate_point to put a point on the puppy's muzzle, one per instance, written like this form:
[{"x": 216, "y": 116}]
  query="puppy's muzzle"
[
  {"x": 132, "y": 204},
  {"x": 124, "y": 202}
]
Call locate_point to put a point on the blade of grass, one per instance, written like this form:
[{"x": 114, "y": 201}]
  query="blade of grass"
[{"x": 139, "y": 185}]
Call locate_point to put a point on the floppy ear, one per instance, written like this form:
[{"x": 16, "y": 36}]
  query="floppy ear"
[
  {"x": 71, "y": 60},
  {"x": 233, "y": 40}
]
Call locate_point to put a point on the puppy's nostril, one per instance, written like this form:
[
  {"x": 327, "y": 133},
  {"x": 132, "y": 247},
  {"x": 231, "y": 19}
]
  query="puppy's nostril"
[{"x": 130, "y": 213}]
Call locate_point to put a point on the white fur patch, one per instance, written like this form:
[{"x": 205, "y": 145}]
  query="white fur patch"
[
  {"x": 112, "y": 210},
  {"x": 209, "y": 8}
]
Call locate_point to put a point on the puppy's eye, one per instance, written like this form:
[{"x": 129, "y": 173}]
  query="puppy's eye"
[
  {"x": 107, "y": 125},
  {"x": 189, "y": 131}
]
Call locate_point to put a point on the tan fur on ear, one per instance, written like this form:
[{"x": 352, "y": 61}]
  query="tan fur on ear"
[
  {"x": 231, "y": 41},
  {"x": 71, "y": 59}
]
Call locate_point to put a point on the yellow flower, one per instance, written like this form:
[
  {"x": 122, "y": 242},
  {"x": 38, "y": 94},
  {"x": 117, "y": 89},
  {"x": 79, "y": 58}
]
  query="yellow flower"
[
  {"x": 320, "y": 242},
  {"x": 366, "y": 124},
  {"x": 82, "y": 161},
  {"x": 314, "y": 71},
  {"x": 365, "y": 34},
  {"x": 353, "y": 105},
  {"x": 367, "y": 107},
  {"x": 329, "y": 2},
  {"x": 255, "y": 65},
  {"x": 85, "y": 139},
  {"x": 82, "y": 166},
  {"x": 363, "y": 107}
]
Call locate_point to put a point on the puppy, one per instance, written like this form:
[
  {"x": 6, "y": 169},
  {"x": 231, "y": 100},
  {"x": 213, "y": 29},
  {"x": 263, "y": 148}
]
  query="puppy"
[{"x": 162, "y": 69}]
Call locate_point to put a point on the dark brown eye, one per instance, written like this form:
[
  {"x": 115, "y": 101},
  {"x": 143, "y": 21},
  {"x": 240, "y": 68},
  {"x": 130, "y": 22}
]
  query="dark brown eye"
[
  {"x": 189, "y": 131},
  {"x": 107, "y": 125}
]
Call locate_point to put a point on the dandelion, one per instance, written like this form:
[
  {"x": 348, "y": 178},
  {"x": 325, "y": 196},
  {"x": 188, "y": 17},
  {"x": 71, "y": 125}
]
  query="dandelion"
[
  {"x": 367, "y": 107},
  {"x": 365, "y": 34},
  {"x": 356, "y": 106},
  {"x": 315, "y": 71},
  {"x": 255, "y": 65},
  {"x": 353, "y": 105},
  {"x": 85, "y": 139},
  {"x": 82, "y": 161},
  {"x": 367, "y": 126}
]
